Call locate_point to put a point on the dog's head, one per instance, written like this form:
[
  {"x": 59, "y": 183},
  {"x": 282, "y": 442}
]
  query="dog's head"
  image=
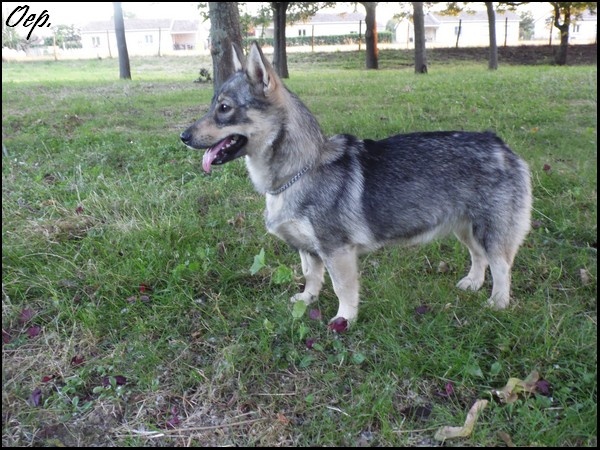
[{"x": 242, "y": 119}]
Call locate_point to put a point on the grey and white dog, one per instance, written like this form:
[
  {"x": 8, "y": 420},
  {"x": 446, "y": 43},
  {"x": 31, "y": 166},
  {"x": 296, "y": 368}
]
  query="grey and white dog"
[{"x": 336, "y": 198}]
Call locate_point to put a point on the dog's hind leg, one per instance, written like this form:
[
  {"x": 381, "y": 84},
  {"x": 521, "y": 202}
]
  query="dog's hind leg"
[
  {"x": 500, "y": 269},
  {"x": 479, "y": 262},
  {"x": 343, "y": 270},
  {"x": 501, "y": 260},
  {"x": 313, "y": 270}
]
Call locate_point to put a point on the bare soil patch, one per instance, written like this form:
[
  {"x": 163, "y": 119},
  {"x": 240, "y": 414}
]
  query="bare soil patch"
[{"x": 518, "y": 55}]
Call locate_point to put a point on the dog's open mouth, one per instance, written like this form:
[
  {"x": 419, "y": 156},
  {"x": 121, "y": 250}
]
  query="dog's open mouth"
[{"x": 224, "y": 151}]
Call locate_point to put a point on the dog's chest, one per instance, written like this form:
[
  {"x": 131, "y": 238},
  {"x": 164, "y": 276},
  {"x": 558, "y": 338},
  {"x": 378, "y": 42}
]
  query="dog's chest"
[{"x": 289, "y": 226}]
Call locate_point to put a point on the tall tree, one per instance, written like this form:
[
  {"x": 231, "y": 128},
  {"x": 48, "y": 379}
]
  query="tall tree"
[
  {"x": 279, "y": 51},
  {"x": 420, "y": 50},
  {"x": 493, "y": 59},
  {"x": 456, "y": 8},
  {"x": 124, "y": 68},
  {"x": 372, "y": 56},
  {"x": 282, "y": 13},
  {"x": 224, "y": 31},
  {"x": 564, "y": 14}
]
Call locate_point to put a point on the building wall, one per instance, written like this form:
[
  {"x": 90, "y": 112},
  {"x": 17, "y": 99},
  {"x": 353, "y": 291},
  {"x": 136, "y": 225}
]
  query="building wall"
[
  {"x": 325, "y": 29},
  {"x": 140, "y": 43},
  {"x": 472, "y": 33},
  {"x": 583, "y": 31}
]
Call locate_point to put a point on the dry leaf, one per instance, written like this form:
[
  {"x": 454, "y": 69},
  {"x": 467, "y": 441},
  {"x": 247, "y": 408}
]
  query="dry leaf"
[
  {"x": 584, "y": 275},
  {"x": 443, "y": 267},
  {"x": 282, "y": 419},
  {"x": 453, "y": 432},
  {"x": 506, "y": 438},
  {"x": 515, "y": 386}
]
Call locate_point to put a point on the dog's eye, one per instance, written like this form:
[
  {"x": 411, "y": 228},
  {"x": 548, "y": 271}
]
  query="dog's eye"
[{"x": 223, "y": 107}]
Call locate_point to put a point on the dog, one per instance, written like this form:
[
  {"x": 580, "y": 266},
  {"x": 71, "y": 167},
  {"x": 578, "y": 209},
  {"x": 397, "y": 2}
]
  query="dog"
[{"x": 336, "y": 198}]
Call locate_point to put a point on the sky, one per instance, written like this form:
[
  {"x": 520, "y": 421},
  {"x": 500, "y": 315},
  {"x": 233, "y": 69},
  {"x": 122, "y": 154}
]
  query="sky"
[{"x": 80, "y": 13}]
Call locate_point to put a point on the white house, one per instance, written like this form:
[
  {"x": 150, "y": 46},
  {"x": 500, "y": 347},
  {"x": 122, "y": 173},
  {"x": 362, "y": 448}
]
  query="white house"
[
  {"x": 470, "y": 29},
  {"x": 583, "y": 30},
  {"x": 323, "y": 24},
  {"x": 143, "y": 36}
]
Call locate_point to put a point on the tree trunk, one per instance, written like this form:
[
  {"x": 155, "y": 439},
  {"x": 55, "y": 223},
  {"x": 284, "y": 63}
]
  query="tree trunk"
[
  {"x": 420, "y": 50},
  {"x": 224, "y": 31},
  {"x": 561, "y": 55},
  {"x": 279, "y": 43},
  {"x": 493, "y": 62},
  {"x": 124, "y": 68},
  {"x": 372, "y": 57}
]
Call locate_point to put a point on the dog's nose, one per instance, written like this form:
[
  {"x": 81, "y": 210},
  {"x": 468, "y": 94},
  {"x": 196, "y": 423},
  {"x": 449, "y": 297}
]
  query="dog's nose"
[{"x": 186, "y": 136}]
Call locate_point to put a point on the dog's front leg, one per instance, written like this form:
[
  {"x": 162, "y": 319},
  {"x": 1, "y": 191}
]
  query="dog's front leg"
[
  {"x": 343, "y": 270},
  {"x": 313, "y": 270}
]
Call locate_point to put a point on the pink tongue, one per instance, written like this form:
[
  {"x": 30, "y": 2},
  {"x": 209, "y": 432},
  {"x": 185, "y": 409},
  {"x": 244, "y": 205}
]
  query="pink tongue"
[
  {"x": 208, "y": 158},
  {"x": 211, "y": 155}
]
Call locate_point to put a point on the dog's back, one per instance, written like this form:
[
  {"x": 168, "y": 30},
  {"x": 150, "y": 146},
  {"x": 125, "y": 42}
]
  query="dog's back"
[{"x": 418, "y": 182}]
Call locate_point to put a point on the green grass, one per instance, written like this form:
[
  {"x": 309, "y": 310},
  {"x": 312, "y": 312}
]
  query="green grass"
[{"x": 132, "y": 261}]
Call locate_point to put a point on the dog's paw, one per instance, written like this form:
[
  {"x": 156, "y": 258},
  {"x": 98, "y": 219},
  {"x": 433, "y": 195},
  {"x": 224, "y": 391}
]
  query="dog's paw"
[
  {"x": 345, "y": 313},
  {"x": 305, "y": 297},
  {"x": 498, "y": 303},
  {"x": 468, "y": 284},
  {"x": 338, "y": 324}
]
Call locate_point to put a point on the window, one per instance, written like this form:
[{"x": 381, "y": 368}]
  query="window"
[
  {"x": 576, "y": 28},
  {"x": 148, "y": 39},
  {"x": 96, "y": 41},
  {"x": 301, "y": 32}
]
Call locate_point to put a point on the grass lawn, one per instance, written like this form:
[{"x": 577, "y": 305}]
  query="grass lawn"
[{"x": 137, "y": 309}]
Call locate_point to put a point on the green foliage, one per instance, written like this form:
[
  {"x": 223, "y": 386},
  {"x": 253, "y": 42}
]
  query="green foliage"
[
  {"x": 65, "y": 36},
  {"x": 526, "y": 25},
  {"x": 342, "y": 39}
]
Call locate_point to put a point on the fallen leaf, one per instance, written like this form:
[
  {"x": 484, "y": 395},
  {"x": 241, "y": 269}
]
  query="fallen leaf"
[
  {"x": 314, "y": 314},
  {"x": 77, "y": 360},
  {"x": 282, "y": 419},
  {"x": 35, "y": 399},
  {"x": 506, "y": 438},
  {"x": 537, "y": 224},
  {"x": 543, "y": 387},
  {"x": 172, "y": 422},
  {"x": 338, "y": 325},
  {"x": 584, "y": 275},
  {"x": 443, "y": 267},
  {"x": 515, "y": 386},
  {"x": 34, "y": 331},
  {"x": 447, "y": 392},
  {"x": 453, "y": 432},
  {"x": 120, "y": 380},
  {"x": 26, "y": 315},
  {"x": 423, "y": 309}
]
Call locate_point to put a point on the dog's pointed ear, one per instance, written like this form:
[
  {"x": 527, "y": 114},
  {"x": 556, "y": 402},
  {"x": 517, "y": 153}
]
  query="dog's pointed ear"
[
  {"x": 260, "y": 71},
  {"x": 238, "y": 57}
]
